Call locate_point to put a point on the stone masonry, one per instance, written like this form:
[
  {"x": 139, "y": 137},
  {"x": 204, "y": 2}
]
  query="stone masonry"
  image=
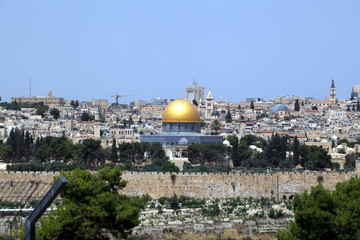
[{"x": 205, "y": 185}]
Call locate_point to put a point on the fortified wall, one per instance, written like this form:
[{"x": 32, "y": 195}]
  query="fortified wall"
[
  {"x": 223, "y": 185},
  {"x": 199, "y": 185}
]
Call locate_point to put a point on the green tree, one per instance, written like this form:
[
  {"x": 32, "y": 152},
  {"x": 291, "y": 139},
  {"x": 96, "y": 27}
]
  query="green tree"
[
  {"x": 14, "y": 106},
  {"x": 86, "y": 117},
  {"x": 333, "y": 144},
  {"x": 250, "y": 139},
  {"x": 245, "y": 153},
  {"x": 275, "y": 150},
  {"x": 296, "y": 153},
  {"x": 234, "y": 142},
  {"x": 318, "y": 158},
  {"x": 41, "y": 109},
  {"x": 228, "y": 117},
  {"x": 114, "y": 155},
  {"x": 344, "y": 140},
  {"x": 252, "y": 105},
  {"x": 90, "y": 153},
  {"x": 6, "y": 153},
  {"x": 297, "y": 105},
  {"x": 168, "y": 166},
  {"x": 156, "y": 150},
  {"x": 130, "y": 121},
  {"x": 322, "y": 214},
  {"x": 350, "y": 161},
  {"x": 55, "y": 113},
  {"x": 91, "y": 206},
  {"x": 215, "y": 126},
  {"x": 210, "y": 154},
  {"x": 174, "y": 204},
  {"x": 74, "y": 104}
]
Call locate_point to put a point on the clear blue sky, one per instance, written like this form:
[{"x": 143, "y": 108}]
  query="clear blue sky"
[{"x": 148, "y": 49}]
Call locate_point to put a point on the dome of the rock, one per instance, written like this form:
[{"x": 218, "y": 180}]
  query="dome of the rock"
[{"x": 180, "y": 110}]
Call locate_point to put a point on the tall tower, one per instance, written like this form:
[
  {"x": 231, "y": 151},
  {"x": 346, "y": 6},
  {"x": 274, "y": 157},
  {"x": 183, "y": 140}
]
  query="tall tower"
[
  {"x": 332, "y": 92},
  {"x": 209, "y": 105},
  {"x": 195, "y": 92}
]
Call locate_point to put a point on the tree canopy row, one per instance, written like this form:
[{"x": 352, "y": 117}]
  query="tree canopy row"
[
  {"x": 58, "y": 153},
  {"x": 255, "y": 152}
]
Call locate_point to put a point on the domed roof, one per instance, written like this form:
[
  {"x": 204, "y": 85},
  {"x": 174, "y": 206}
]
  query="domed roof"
[
  {"x": 226, "y": 143},
  {"x": 183, "y": 141},
  {"x": 180, "y": 110},
  {"x": 279, "y": 107}
]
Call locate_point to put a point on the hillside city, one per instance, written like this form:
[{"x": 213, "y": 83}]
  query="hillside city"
[
  {"x": 193, "y": 165},
  {"x": 313, "y": 122}
]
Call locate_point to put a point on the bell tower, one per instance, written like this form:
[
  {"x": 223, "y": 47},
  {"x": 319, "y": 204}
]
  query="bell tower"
[
  {"x": 209, "y": 105},
  {"x": 332, "y": 93}
]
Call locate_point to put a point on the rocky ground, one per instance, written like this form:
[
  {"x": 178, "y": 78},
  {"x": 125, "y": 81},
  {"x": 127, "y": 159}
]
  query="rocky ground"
[{"x": 232, "y": 218}]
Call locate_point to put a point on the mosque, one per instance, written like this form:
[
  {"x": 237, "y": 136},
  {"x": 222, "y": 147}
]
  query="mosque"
[{"x": 180, "y": 129}]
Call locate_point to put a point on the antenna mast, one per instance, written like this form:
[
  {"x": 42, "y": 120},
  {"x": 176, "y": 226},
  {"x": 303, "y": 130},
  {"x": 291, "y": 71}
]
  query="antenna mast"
[{"x": 30, "y": 88}]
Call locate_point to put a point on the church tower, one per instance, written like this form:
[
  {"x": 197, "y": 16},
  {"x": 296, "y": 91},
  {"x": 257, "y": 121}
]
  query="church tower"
[
  {"x": 332, "y": 93},
  {"x": 209, "y": 105}
]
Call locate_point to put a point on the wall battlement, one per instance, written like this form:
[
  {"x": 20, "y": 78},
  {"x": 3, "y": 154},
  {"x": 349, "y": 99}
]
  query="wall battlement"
[{"x": 209, "y": 185}]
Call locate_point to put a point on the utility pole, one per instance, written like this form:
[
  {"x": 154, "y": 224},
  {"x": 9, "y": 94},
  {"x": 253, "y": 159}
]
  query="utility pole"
[{"x": 30, "y": 88}]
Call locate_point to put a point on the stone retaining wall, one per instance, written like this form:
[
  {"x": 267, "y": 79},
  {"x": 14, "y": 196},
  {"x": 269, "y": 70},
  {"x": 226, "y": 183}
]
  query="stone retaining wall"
[{"x": 205, "y": 185}]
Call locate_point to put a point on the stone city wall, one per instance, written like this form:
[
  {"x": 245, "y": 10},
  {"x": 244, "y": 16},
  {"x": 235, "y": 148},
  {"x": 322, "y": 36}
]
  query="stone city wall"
[
  {"x": 201, "y": 185},
  {"x": 223, "y": 185}
]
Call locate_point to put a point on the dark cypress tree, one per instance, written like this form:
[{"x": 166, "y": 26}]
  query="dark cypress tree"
[
  {"x": 333, "y": 143},
  {"x": 131, "y": 120},
  {"x": 297, "y": 105},
  {"x": 174, "y": 204},
  {"x": 283, "y": 148},
  {"x": 302, "y": 103},
  {"x": 353, "y": 108},
  {"x": 20, "y": 146},
  {"x": 228, "y": 118},
  {"x": 358, "y": 106},
  {"x": 114, "y": 154},
  {"x": 252, "y": 105},
  {"x": 234, "y": 142},
  {"x": 37, "y": 143},
  {"x": 296, "y": 153},
  {"x": 195, "y": 102},
  {"x": 12, "y": 139},
  {"x": 274, "y": 151},
  {"x": 27, "y": 146},
  {"x": 348, "y": 108}
]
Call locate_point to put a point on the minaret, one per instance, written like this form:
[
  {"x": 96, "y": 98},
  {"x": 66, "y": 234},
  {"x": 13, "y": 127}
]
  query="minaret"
[
  {"x": 332, "y": 92},
  {"x": 209, "y": 105}
]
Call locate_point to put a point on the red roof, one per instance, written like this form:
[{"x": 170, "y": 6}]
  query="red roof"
[{"x": 265, "y": 131}]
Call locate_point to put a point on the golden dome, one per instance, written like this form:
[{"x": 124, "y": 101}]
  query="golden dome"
[{"x": 180, "y": 110}]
